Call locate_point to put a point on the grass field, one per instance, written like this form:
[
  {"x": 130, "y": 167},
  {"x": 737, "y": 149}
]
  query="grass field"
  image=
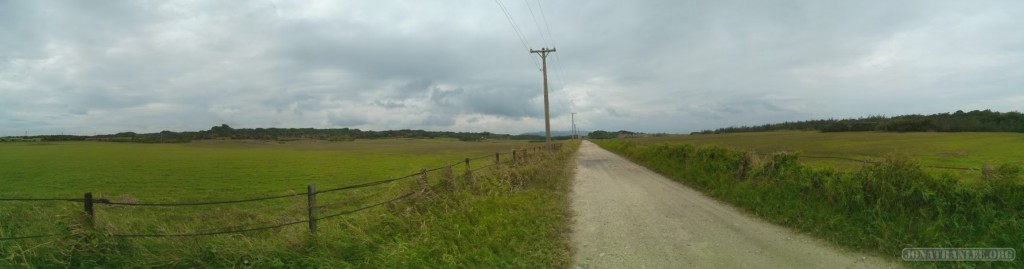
[
  {"x": 218, "y": 169},
  {"x": 490, "y": 222},
  {"x": 968, "y": 150}
]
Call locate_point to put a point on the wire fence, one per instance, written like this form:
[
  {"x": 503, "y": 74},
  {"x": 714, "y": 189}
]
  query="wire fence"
[
  {"x": 274, "y": 226},
  {"x": 89, "y": 202},
  {"x": 42, "y": 199},
  {"x": 108, "y": 202}
]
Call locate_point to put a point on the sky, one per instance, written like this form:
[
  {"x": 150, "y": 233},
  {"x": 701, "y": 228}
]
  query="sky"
[{"x": 88, "y": 67}]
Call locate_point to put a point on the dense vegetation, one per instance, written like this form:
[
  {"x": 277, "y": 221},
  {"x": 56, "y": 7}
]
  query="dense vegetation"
[
  {"x": 959, "y": 121},
  {"x": 601, "y": 134},
  {"x": 883, "y": 207},
  {"x": 509, "y": 216},
  {"x": 972, "y": 150},
  {"x": 226, "y": 132}
]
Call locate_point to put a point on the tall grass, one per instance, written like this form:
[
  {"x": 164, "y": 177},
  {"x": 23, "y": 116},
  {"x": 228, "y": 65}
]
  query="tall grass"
[
  {"x": 507, "y": 216},
  {"x": 882, "y": 207}
]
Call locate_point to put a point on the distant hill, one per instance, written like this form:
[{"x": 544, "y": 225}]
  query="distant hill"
[
  {"x": 555, "y": 133},
  {"x": 959, "y": 121},
  {"x": 281, "y": 134}
]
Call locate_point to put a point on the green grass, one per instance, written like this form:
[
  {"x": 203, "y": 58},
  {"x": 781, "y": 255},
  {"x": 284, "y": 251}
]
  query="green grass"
[
  {"x": 507, "y": 217},
  {"x": 218, "y": 169},
  {"x": 966, "y": 150},
  {"x": 881, "y": 207}
]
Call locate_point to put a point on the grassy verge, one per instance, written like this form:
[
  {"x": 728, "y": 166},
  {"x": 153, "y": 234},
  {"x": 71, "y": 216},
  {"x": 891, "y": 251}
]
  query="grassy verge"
[
  {"x": 881, "y": 207},
  {"x": 515, "y": 217},
  {"x": 504, "y": 216}
]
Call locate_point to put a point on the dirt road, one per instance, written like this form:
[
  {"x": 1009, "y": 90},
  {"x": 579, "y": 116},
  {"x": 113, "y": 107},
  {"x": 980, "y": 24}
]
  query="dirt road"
[{"x": 630, "y": 217}]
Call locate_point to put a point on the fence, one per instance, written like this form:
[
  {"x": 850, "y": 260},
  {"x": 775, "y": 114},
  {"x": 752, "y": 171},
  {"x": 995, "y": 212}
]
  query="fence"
[{"x": 90, "y": 203}]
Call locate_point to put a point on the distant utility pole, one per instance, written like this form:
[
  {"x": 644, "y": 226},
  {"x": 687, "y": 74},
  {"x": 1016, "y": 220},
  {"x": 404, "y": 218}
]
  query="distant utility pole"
[
  {"x": 547, "y": 116},
  {"x": 574, "y": 136}
]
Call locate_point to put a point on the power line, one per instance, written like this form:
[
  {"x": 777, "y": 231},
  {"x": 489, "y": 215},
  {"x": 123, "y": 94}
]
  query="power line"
[
  {"x": 539, "y": 31},
  {"x": 515, "y": 28},
  {"x": 550, "y": 37},
  {"x": 546, "y": 25},
  {"x": 558, "y": 59}
]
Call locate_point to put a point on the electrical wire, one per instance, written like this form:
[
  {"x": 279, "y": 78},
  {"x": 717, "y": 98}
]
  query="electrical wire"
[
  {"x": 539, "y": 31},
  {"x": 515, "y": 28}
]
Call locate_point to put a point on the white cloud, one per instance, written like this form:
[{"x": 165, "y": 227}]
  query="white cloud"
[{"x": 656, "y": 66}]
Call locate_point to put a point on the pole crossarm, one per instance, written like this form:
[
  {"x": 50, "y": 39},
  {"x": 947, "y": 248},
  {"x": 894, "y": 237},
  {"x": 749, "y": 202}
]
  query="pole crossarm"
[{"x": 543, "y": 51}]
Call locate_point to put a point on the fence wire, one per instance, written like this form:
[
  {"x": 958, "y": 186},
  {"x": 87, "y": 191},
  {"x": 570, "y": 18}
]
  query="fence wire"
[
  {"x": 43, "y": 199},
  {"x": 200, "y": 203},
  {"x": 482, "y": 167},
  {"x": 27, "y": 237},
  {"x": 368, "y": 184},
  {"x": 266, "y": 227},
  {"x": 482, "y": 157},
  {"x": 435, "y": 169}
]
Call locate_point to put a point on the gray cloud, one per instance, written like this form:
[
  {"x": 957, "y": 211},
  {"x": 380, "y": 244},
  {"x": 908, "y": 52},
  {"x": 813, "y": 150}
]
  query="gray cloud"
[
  {"x": 657, "y": 66},
  {"x": 492, "y": 100}
]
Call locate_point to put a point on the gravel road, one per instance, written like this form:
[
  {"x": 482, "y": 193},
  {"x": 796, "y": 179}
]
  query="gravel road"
[{"x": 630, "y": 217}]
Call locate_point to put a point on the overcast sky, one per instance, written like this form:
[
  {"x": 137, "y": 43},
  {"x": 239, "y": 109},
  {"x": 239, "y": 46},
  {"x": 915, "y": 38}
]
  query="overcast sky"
[{"x": 84, "y": 67}]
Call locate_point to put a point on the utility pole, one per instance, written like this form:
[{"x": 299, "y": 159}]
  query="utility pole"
[
  {"x": 574, "y": 137},
  {"x": 547, "y": 116}
]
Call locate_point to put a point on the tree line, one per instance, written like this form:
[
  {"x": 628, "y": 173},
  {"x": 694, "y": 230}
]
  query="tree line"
[
  {"x": 601, "y": 134},
  {"x": 279, "y": 134},
  {"x": 959, "y": 121}
]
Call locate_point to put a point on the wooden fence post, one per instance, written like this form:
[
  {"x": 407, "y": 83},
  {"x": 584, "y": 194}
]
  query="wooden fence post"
[
  {"x": 311, "y": 195},
  {"x": 497, "y": 160},
  {"x": 88, "y": 208},
  {"x": 468, "y": 177},
  {"x": 513, "y": 156},
  {"x": 450, "y": 174},
  {"x": 424, "y": 185}
]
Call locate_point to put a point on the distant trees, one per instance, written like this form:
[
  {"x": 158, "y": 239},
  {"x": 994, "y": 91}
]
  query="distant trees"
[
  {"x": 601, "y": 134},
  {"x": 224, "y": 131},
  {"x": 959, "y": 121}
]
